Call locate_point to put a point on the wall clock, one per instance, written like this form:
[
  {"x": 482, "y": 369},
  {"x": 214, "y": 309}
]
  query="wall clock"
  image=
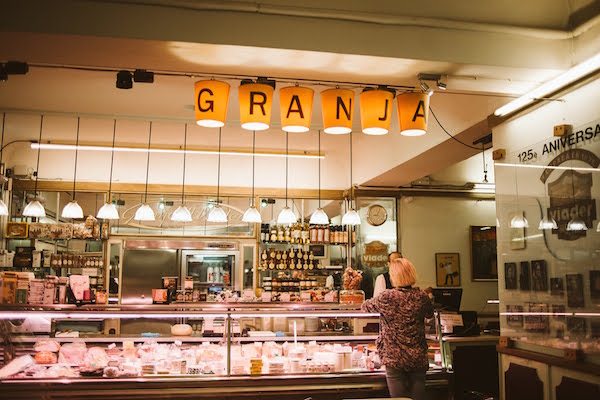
[{"x": 376, "y": 215}]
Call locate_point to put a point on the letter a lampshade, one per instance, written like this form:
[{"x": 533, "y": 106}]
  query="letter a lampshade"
[
  {"x": 256, "y": 100},
  {"x": 376, "y": 110},
  {"x": 295, "y": 105},
  {"x": 211, "y": 100},
  {"x": 413, "y": 113},
  {"x": 336, "y": 107}
]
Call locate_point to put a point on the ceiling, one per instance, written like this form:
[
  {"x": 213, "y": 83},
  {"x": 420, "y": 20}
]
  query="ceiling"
[{"x": 487, "y": 54}]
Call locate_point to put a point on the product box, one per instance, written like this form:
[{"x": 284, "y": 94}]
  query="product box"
[{"x": 9, "y": 287}]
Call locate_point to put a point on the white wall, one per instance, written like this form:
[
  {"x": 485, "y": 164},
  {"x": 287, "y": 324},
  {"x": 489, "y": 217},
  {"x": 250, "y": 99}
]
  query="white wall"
[{"x": 432, "y": 225}]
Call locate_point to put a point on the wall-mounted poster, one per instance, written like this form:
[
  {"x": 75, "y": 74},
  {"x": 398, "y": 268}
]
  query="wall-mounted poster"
[
  {"x": 517, "y": 235},
  {"x": 447, "y": 269},
  {"x": 575, "y": 290},
  {"x": 595, "y": 285},
  {"x": 510, "y": 276},
  {"x": 537, "y": 323},
  {"x": 525, "y": 276},
  {"x": 539, "y": 275},
  {"x": 484, "y": 265},
  {"x": 557, "y": 287},
  {"x": 514, "y": 316}
]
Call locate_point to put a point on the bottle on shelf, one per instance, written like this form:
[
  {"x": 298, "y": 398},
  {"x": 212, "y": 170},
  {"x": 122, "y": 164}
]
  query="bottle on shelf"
[{"x": 326, "y": 233}]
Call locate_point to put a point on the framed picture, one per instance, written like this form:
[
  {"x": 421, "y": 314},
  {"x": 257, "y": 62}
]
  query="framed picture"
[
  {"x": 17, "y": 230},
  {"x": 538, "y": 321},
  {"x": 517, "y": 235},
  {"x": 514, "y": 318},
  {"x": 557, "y": 287},
  {"x": 539, "y": 276},
  {"x": 483, "y": 253},
  {"x": 575, "y": 290},
  {"x": 525, "y": 276},
  {"x": 595, "y": 285},
  {"x": 510, "y": 276},
  {"x": 576, "y": 326},
  {"x": 447, "y": 269}
]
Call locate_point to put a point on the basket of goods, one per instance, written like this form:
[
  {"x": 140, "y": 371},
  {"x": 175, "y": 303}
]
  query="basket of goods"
[{"x": 351, "y": 281}]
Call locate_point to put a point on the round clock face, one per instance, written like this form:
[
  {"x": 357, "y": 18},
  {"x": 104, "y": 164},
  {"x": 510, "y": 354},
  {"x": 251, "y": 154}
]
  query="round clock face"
[{"x": 376, "y": 215}]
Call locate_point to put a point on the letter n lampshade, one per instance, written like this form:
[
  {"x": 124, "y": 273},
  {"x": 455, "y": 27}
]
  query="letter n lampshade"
[
  {"x": 211, "y": 100},
  {"x": 337, "y": 106},
  {"x": 256, "y": 100},
  {"x": 295, "y": 105},
  {"x": 413, "y": 113},
  {"x": 376, "y": 110}
]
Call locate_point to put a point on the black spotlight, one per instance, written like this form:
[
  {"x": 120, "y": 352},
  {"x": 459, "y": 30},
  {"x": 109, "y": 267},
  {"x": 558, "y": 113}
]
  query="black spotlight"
[
  {"x": 124, "y": 80},
  {"x": 143, "y": 76},
  {"x": 16, "y": 68},
  {"x": 3, "y": 74}
]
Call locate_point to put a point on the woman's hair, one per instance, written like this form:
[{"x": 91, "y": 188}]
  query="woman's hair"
[{"x": 402, "y": 272}]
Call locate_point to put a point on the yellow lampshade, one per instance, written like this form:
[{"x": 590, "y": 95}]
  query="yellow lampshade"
[
  {"x": 336, "y": 107},
  {"x": 413, "y": 113},
  {"x": 295, "y": 105},
  {"x": 376, "y": 111},
  {"x": 212, "y": 98},
  {"x": 256, "y": 100}
]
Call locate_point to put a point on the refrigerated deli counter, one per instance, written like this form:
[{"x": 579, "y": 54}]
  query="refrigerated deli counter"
[{"x": 224, "y": 351}]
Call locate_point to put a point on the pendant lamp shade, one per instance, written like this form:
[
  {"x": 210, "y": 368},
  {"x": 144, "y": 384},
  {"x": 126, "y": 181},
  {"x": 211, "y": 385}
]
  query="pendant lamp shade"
[
  {"x": 286, "y": 216},
  {"x": 295, "y": 106},
  {"x": 217, "y": 214},
  {"x": 519, "y": 221},
  {"x": 319, "y": 217},
  {"x": 34, "y": 209},
  {"x": 547, "y": 223},
  {"x": 351, "y": 218},
  {"x": 598, "y": 227},
  {"x": 181, "y": 214},
  {"x": 337, "y": 109},
  {"x": 3, "y": 208},
  {"x": 256, "y": 101},
  {"x": 252, "y": 215},
  {"x": 72, "y": 210},
  {"x": 576, "y": 225},
  {"x": 413, "y": 113},
  {"x": 376, "y": 110},
  {"x": 211, "y": 101},
  {"x": 144, "y": 213},
  {"x": 108, "y": 211}
]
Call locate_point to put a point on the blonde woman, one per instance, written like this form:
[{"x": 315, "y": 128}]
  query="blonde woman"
[{"x": 401, "y": 343}]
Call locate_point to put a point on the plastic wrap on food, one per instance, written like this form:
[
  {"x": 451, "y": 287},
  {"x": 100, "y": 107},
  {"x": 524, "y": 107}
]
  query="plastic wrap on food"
[
  {"x": 96, "y": 357},
  {"x": 72, "y": 353},
  {"x": 45, "y": 357},
  {"x": 17, "y": 365},
  {"x": 47, "y": 345}
]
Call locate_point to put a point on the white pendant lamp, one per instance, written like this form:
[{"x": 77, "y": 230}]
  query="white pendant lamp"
[
  {"x": 3, "y": 208},
  {"x": 547, "y": 224},
  {"x": 286, "y": 215},
  {"x": 319, "y": 217},
  {"x": 35, "y": 208},
  {"x": 217, "y": 214},
  {"x": 252, "y": 215},
  {"x": 182, "y": 214},
  {"x": 351, "y": 217},
  {"x": 145, "y": 212},
  {"x": 72, "y": 209},
  {"x": 108, "y": 210}
]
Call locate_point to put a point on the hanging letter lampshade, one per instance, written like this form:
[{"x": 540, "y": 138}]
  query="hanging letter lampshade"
[
  {"x": 212, "y": 98},
  {"x": 295, "y": 105},
  {"x": 413, "y": 113},
  {"x": 256, "y": 100},
  {"x": 336, "y": 107},
  {"x": 376, "y": 110}
]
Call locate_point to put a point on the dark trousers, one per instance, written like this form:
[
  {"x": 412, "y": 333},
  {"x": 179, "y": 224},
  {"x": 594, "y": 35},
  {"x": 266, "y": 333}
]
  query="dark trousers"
[{"x": 405, "y": 384}]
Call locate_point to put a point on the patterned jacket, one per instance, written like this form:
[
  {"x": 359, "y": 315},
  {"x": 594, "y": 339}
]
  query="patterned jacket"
[{"x": 401, "y": 342}]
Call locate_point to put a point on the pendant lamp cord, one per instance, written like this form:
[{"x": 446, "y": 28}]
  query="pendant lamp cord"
[
  {"x": 37, "y": 165},
  {"x": 351, "y": 185},
  {"x": 219, "y": 169},
  {"x": 319, "y": 155},
  {"x": 2, "y": 141},
  {"x": 184, "y": 154},
  {"x": 112, "y": 158},
  {"x": 148, "y": 164},
  {"x": 253, "y": 150},
  {"x": 76, "y": 152},
  {"x": 286, "y": 168}
]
